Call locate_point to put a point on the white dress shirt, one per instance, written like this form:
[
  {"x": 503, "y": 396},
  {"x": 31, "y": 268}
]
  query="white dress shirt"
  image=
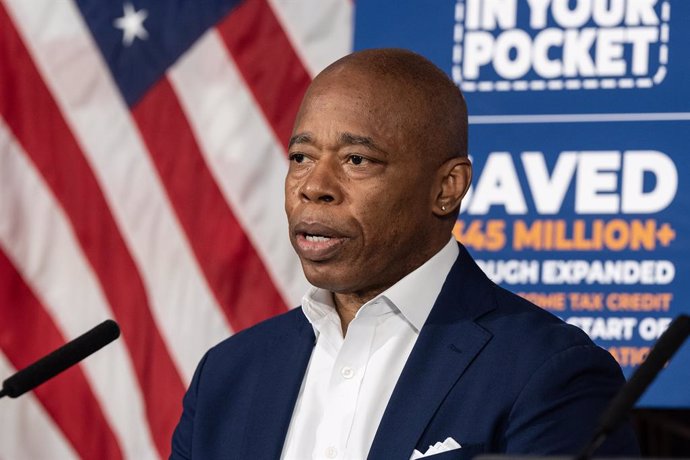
[{"x": 349, "y": 380}]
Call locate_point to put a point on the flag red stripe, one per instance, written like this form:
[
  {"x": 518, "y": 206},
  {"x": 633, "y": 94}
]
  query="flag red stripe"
[
  {"x": 231, "y": 265},
  {"x": 27, "y": 334},
  {"x": 268, "y": 63},
  {"x": 34, "y": 118}
]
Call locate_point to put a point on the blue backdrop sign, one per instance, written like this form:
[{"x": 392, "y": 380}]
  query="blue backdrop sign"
[{"x": 579, "y": 130}]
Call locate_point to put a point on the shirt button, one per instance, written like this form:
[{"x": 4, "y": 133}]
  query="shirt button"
[
  {"x": 331, "y": 452},
  {"x": 347, "y": 372}
]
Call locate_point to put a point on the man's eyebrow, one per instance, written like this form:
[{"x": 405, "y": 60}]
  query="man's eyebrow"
[
  {"x": 302, "y": 138},
  {"x": 354, "y": 139},
  {"x": 345, "y": 139}
]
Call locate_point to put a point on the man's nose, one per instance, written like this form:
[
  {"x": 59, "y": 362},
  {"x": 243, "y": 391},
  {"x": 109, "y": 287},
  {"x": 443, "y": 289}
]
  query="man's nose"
[{"x": 322, "y": 184}]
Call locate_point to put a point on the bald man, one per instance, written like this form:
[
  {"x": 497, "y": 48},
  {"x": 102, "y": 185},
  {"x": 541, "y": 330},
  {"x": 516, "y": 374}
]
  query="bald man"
[{"x": 402, "y": 343}]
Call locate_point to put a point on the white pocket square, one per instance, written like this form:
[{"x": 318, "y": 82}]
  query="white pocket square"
[{"x": 438, "y": 448}]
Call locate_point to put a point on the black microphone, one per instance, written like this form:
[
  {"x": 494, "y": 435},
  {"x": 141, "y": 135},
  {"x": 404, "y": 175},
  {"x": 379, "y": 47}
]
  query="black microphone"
[
  {"x": 622, "y": 403},
  {"x": 67, "y": 355}
]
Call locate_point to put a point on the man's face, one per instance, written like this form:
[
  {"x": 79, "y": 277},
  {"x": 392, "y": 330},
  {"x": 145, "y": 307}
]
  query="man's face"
[{"x": 358, "y": 193}]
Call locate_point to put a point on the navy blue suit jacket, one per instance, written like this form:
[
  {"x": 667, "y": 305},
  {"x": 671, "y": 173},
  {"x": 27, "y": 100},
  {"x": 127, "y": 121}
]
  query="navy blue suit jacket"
[{"x": 489, "y": 369}]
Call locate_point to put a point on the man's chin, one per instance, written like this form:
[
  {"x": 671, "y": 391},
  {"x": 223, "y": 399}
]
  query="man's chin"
[
  {"x": 324, "y": 282},
  {"x": 326, "y": 277}
]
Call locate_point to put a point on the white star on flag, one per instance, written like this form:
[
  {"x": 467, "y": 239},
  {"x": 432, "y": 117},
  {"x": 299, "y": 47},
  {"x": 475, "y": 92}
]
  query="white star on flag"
[{"x": 132, "y": 24}]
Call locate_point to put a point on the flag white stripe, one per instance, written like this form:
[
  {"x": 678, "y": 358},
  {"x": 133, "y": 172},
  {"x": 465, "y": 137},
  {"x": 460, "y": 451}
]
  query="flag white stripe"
[
  {"x": 28, "y": 432},
  {"x": 242, "y": 153},
  {"x": 320, "y": 31},
  {"x": 38, "y": 239},
  {"x": 183, "y": 306}
]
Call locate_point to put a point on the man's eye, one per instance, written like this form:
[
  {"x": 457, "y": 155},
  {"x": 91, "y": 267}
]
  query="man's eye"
[
  {"x": 356, "y": 159},
  {"x": 297, "y": 157}
]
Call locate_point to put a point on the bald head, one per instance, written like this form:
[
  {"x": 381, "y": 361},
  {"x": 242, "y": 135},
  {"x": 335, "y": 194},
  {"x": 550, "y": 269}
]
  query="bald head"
[{"x": 422, "y": 99}]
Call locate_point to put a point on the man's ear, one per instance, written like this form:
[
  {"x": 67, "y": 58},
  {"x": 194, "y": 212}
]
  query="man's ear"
[{"x": 452, "y": 181}]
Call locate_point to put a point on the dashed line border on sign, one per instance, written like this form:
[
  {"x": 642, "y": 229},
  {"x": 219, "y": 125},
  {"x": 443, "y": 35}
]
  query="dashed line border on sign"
[{"x": 559, "y": 84}]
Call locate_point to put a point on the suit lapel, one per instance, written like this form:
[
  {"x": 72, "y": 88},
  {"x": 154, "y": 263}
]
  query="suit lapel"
[
  {"x": 276, "y": 391},
  {"x": 447, "y": 344}
]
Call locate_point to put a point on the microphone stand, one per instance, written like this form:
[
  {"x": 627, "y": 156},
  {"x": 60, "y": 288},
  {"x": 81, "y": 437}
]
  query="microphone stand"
[{"x": 622, "y": 403}]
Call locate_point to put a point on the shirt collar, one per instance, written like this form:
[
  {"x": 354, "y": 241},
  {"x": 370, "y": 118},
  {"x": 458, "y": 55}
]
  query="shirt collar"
[{"x": 414, "y": 295}]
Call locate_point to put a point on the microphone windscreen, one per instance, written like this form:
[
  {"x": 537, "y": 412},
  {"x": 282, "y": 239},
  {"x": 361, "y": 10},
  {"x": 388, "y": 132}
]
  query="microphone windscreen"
[{"x": 60, "y": 359}]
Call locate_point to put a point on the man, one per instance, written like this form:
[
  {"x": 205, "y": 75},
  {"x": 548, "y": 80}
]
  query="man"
[{"x": 403, "y": 342}]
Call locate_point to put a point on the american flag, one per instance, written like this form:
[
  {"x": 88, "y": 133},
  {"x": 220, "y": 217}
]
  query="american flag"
[{"x": 142, "y": 156}]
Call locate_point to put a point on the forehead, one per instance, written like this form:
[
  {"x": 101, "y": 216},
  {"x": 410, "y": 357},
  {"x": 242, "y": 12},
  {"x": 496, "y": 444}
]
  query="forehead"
[
  {"x": 355, "y": 103},
  {"x": 343, "y": 90}
]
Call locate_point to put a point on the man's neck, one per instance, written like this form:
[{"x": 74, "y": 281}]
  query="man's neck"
[{"x": 347, "y": 305}]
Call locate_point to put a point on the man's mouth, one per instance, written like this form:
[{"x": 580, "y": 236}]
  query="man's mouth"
[{"x": 317, "y": 242}]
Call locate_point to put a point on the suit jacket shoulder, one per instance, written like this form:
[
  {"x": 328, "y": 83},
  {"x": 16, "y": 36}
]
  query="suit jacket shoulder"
[{"x": 243, "y": 345}]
